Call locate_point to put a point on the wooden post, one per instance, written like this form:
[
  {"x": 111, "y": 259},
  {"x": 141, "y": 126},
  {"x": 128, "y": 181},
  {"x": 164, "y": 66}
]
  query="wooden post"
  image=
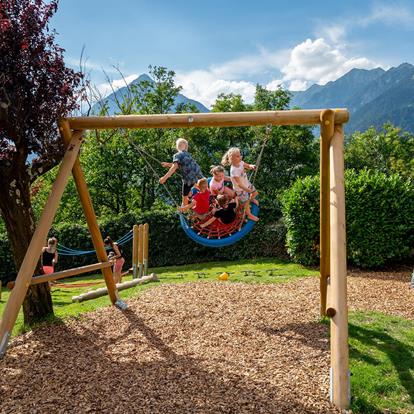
[
  {"x": 340, "y": 387},
  {"x": 31, "y": 258},
  {"x": 145, "y": 241},
  {"x": 135, "y": 242},
  {"x": 327, "y": 130},
  {"x": 89, "y": 212},
  {"x": 140, "y": 250}
]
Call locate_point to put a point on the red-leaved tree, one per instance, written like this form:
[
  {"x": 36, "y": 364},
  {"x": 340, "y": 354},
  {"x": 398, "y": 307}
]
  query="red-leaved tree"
[{"x": 36, "y": 89}]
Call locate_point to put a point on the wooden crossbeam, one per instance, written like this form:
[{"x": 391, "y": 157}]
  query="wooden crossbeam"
[
  {"x": 211, "y": 119},
  {"x": 65, "y": 273}
]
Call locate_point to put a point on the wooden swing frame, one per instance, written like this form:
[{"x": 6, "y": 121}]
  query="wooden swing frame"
[{"x": 333, "y": 286}]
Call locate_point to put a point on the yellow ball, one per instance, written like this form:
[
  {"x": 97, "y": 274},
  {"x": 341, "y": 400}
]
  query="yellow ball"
[{"x": 224, "y": 276}]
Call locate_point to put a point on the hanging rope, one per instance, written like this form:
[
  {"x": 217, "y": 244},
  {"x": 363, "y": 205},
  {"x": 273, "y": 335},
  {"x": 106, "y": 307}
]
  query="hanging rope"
[
  {"x": 143, "y": 156},
  {"x": 67, "y": 251},
  {"x": 253, "y": 176},
  {"x": 259, "y": 158}
]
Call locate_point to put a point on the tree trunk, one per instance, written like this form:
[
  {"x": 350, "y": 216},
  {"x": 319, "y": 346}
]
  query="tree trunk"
[{"x": 16, "y": 210}]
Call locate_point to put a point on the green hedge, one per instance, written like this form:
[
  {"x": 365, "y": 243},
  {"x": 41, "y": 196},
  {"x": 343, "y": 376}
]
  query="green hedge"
[
  {"x": 379, "y": 218},
  {"x": 168, "y": 245}
]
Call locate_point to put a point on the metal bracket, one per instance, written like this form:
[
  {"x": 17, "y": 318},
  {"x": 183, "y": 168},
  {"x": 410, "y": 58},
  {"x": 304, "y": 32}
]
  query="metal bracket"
[
  {"x": 120, "y": 304},
  {"x": 3, "y": 344}
]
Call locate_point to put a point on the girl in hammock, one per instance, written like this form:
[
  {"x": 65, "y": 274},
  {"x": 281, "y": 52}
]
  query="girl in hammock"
[{"x": 245, "y": 191}]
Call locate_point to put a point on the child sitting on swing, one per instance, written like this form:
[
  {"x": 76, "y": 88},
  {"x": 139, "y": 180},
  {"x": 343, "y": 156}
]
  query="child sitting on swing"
[
  {"x": 245, "y": 191},
  {"x": 217, "y": 183},
  {"x": 200, "y": 202},
  {"x": 226, "y": 211}
]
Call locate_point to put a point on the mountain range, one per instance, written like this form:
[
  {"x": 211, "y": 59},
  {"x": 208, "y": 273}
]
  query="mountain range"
[
  {"x": 120, "y": 95},
  {"x": 373, "y": 97}
]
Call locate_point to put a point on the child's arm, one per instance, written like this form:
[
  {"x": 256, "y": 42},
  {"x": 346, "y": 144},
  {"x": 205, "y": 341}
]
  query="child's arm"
[
  {"x": 240, "y": 184},
  {"x": 226, "y": 178},
  {"x": 166, "y": 164},
  {"x": 249, "y": 166},
  {"x": 187, "y": 207},
  {"x": 117, "y": 252},
  {"x": 171, "y": 171},
  {"x": 55, "y": 259},
  {"x": 208, "y": 222}
]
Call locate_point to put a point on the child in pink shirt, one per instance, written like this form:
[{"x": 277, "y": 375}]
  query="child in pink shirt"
[{"x": 217, "y": 183}]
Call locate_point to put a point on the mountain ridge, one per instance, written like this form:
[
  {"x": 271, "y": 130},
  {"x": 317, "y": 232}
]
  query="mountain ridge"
[
  {"x": 373, "y": 97},
  {"x": 120, "y": 94}
]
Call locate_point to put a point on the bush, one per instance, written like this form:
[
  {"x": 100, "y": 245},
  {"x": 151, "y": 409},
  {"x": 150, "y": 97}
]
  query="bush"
[
  {"x": 379, "y": 218},
  {"x": 168, "y": 245}
]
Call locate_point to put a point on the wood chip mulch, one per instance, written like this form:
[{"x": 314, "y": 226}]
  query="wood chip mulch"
[{"x": 191, "y": 348}]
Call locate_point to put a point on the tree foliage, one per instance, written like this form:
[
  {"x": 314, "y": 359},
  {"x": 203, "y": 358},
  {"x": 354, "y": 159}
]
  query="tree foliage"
[
  {"x": 36, "y": 89},
  {"x": 388, "y": 150}
]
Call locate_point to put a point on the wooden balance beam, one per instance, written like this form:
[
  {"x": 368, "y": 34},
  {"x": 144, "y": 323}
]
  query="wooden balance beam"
[
  {"x": 65, "y": 273},
  {"x": 120, "y": 286}
]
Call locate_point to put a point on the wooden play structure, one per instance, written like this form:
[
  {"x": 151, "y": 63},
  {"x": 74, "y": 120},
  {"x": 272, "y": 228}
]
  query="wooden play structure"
[
  {"x": 139, "y": 264},
  {"x": 333, "y": 285}
]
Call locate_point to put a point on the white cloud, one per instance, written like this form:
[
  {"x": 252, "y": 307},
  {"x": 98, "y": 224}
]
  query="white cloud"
[
  {"x": 395, "y": 14},
  {"x": 250, "y": 65},
  {"x": 274, "y": 84},
  {"x": 204, "y": 86},
  {"x": 316, "y": 61},
  {"x": 107, "y": 88},
  {"x": 333, "y": 33}
]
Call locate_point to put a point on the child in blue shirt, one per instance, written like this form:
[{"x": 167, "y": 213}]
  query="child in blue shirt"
[{"x": 189, "y": 168}]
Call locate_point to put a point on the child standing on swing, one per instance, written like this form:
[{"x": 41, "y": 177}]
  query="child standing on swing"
[
  {"x": 189, "y": 168},
  {"x": 245, "y": 191}
]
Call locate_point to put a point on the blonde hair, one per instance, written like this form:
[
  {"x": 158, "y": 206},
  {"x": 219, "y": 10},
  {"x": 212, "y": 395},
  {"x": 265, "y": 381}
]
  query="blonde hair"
[
  {"x": 215, "y": 169},
  {"x": 226, "y": 160},
  {"x": 181, "y": 144},
  {"x": 202, "y": 182}
]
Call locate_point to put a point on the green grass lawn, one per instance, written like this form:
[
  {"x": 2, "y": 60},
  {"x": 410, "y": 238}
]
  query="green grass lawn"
[
  {"x": 381, "y": 346},
  {"x": 382, "y": 363}
]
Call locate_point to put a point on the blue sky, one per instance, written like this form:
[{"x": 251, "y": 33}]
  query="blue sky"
[{"x": 229, "y": 46}]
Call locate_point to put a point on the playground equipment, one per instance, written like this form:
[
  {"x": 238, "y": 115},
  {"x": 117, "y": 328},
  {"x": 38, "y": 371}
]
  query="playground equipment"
[
  {"x": 332, "y": 219},
  {"x": 139, "y": 263},
  {"x": 97, "y": 293},
  {"x": 140, "y": 250}
]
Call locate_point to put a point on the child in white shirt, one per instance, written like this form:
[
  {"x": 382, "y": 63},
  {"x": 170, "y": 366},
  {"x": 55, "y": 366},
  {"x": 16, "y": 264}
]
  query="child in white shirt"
[{"x": 245, "y": 191}]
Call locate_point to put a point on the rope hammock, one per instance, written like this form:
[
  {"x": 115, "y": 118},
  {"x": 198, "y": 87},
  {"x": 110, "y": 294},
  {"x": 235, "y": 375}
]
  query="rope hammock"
[
  {"x": 67, "y": 251},
  {"x": 217, "y": 234}
]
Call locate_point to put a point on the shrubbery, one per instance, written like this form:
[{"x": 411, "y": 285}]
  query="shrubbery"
[
  {"x": 168, "y": 243},
  {"x": 379, "y": 218}
]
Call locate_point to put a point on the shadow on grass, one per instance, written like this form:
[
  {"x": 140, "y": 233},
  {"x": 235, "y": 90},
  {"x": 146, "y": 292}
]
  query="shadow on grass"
[{"x": 400, "y": 354}]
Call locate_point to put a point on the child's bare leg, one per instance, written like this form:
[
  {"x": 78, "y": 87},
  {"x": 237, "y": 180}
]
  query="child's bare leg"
[
  {"x": 249, "y": 214},
  {"x": 253, "y": 198}
]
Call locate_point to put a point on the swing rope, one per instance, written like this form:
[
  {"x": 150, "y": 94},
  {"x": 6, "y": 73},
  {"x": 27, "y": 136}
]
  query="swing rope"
[
  {"x": 67, "y": 251},
  {"x": 143, "y": 154},
  {"x": 253, "y": 176}
]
